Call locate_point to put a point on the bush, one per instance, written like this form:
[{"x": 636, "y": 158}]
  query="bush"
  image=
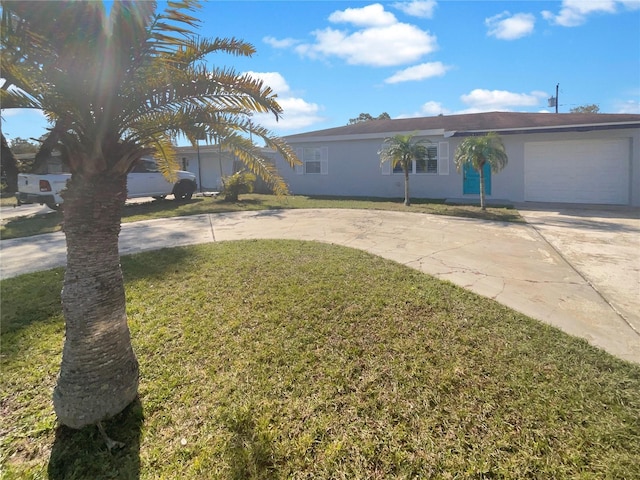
[{"x": 239, "y": 182}]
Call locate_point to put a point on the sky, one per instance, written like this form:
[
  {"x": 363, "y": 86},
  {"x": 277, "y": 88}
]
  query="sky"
[{"x": 329, "y": 61}]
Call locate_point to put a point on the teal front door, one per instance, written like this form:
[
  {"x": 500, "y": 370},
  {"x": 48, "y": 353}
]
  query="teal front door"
[{"x": 471, "y": 180}]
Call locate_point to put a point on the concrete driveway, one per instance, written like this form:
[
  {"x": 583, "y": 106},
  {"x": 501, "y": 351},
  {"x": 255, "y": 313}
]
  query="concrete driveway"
[
  {"x": 601, "y": 243},
  {"x": 508, "y": 262},
  {"x": 7, "y": 213}
]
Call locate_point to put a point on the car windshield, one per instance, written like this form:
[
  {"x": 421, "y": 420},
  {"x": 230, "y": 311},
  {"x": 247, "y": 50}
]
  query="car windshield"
[{"x": 145, "y": 165}]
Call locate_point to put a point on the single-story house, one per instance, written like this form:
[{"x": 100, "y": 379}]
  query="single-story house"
[
  {"x": 572, "y": 158},
  {"x": 208, "y": 163}
]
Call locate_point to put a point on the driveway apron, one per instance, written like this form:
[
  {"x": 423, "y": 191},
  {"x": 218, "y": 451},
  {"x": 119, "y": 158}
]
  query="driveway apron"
[
  {"x": 602, "y": 244},
  {"x": 508, "y": 262}
]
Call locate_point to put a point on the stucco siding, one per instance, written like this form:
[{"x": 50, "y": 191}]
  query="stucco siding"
[
  {"x": 354, "y": 170},
  {"x": 346, "y": 161}
]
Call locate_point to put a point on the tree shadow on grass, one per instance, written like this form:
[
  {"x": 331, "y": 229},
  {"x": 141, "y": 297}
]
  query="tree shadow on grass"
[
  {"x": 250, "y": 451},
  {"x": 155, "y": 206},
  {"x": 83, "y": 454},
  {"x": 30, "y": 225},
  {"x": 154, "y": 264}
]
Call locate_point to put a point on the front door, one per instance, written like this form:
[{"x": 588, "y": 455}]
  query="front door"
[{"x": 471, "y": 180}]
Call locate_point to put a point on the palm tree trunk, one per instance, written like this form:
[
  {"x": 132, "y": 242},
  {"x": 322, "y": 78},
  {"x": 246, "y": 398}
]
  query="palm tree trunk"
[
  {"x": 407, "y": 200},
  {"x": 99, "y": 371},
  {"x": 482, "y": 188}
]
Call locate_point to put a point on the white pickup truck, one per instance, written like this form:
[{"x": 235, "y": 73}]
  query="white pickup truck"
[{"x": 144, "y": 180}]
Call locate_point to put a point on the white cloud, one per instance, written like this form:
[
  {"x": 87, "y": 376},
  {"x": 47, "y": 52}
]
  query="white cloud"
[
  {"x": 13, "y": 112},
  {"x": 428, "y": 109},
  {"x": 628, "y": 106},
  {"x": 32, "y": 112},
  {"x": 481, "y": 100},
  {"x": 575, "y": 12},
  {"x": 419, "y": 72},
  {"x": 417, "y": 8},
  {"x": 369, "y": 16},
  {"x": 282, "y": 43},
  {"x": 374, "y": 37},
  {"x": 433, "y": 108},
  {"x": 389, "y": 45},
  {"x": 297, "y": 112},
  {"x": 272, "y": 79},
  {"x": 510, "y": 27}
]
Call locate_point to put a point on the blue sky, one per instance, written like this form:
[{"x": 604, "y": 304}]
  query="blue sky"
[{"x": 329, "y": 61}]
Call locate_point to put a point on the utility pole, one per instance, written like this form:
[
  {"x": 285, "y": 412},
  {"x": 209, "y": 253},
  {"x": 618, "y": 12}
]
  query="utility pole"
[
  {"x": 557, "y": 85},
  {"x": 199, "y": 169},
  {"x": 199, "y": 136}
]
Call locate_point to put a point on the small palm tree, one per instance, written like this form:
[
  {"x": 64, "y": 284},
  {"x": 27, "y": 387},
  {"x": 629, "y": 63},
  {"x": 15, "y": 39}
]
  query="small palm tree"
[
  {"x": 401, "y": 150},
  {"x": 477, "y": 152},
  {"x": 118, "y": 88}
]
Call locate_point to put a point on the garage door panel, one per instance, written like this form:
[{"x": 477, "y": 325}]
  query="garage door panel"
[{"x": 591, "y": 171}]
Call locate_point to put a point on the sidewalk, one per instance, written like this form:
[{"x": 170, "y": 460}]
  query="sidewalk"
[{"x": 508, "y": 262}]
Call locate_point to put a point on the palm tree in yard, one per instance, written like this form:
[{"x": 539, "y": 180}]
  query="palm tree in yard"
[
  {"x": 117, "y": 88},
  {"x": 479, "y": 151},
  {"x": 401, "y": 150}
]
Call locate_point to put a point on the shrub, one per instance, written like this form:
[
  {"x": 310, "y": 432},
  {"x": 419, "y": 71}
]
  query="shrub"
[{"x": 239, "y": 182}]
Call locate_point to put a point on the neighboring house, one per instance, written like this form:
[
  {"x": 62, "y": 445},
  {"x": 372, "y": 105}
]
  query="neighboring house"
[
  {"x": 210, "y": 165},
  {"x": 570, "y": 158}
]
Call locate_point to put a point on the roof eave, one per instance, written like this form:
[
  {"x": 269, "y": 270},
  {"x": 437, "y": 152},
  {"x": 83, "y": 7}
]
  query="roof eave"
[
  {"x": 300, "y": 138},
  {"x": 547, "y": 129}
]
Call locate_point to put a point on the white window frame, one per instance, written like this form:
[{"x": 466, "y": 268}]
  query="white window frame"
[
  {"x": 440, "y": 161},
  {"x": 313, "y": 155}
]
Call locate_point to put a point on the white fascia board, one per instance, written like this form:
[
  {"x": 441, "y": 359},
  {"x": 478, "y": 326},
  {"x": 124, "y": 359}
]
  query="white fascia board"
[
  {"x": 548, "y": 127},
  {"x": 439, "y": 132}
]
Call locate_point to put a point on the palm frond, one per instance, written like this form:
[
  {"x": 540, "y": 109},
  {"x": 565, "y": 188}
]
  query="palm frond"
[
  {"x": 15, "y": 98},
  {"x": 478, "y": 150},
  {"x": 165, "y": 156},
  {"x": 123, "y": 88},
  {"x": 401, "y": 150},
  {"x": 256, "y": 162}
]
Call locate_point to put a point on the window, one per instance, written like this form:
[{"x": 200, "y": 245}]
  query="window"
[
  {"x": 436, "y": 163},
  {"x": 314, "y": 161},
  {"x": 311, "y": 159},
  {"x": 432, "y": 159},
  {"x": 430, "y": 164},
  {"x": 145, "y": 165}
]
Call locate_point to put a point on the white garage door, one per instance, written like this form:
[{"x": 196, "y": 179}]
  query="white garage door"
[{"x": 585, "y": 171}]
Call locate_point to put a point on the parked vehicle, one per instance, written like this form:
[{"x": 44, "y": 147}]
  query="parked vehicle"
[{"x": 144, "y": 180}]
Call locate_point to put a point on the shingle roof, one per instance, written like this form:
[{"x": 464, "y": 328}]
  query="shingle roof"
[{"x": 504, "y": 122}]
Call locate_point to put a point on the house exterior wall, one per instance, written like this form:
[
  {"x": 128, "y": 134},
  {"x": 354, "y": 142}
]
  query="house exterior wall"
[
  {"x": 634, "y": 176},
  {"x": 206, "y": 166},
  {"x": 353, "y": 168}
]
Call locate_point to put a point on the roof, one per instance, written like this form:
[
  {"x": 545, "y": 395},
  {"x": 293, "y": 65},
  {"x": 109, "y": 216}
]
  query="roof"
[{"x": 469, "y": 124}]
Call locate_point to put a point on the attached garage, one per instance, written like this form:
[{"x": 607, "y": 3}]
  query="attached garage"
[{"x": 584, "y": 171}]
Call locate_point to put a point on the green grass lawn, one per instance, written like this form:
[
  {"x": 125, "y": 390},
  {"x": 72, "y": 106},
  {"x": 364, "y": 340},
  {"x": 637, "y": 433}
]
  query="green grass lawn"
[
  {"x": 52, "y": 221},
  {"x": 286, "y": 359}
]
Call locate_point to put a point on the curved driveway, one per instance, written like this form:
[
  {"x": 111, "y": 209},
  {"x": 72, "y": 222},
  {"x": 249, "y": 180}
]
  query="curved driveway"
[{"x": 511, "y": 263}]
